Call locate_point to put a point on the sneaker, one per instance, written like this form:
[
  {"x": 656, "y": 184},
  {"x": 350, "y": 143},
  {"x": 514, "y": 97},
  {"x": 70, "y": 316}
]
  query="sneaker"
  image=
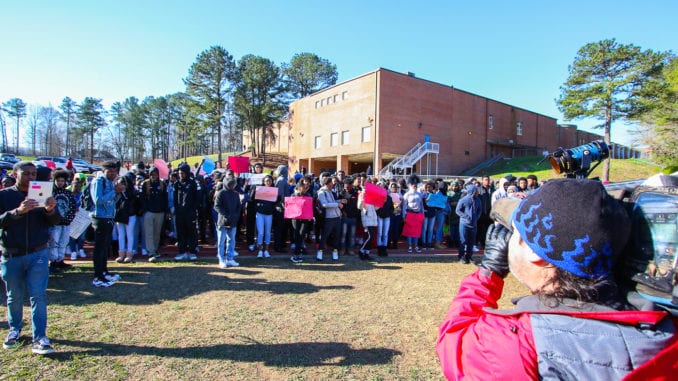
[
  {"x": 112, "y": 277},
  {"x": 154, "y": 258},
  {"x": 296, "y": 259},
  {"x": 12, "y": 339},
  {"x": 467, "y": 261},
  {"x": 181, "y": 257},
  {"x": 250, "y": 248},
  {"x": 267, "y": 254},
  {"x": 319, "y": 256},
  {"x": 192, "y": 257},
  {"x": 42, "y": 347},
  {"x": 82, "y": 253},
  {"x": 476, "y": 248},
  {"x": 101, "y": 283},
  {"x": 417, "y": 249},
  {"x": 335, "y": 255},
  {"x": 222, "y": 264},
  {"x": 260, "y": 254},
  {"x": 232, "y": 263},
  {"x": 74, "y": 256},
  {"x": 409, "y": 249},
  {"x": 235, "y": 253}
]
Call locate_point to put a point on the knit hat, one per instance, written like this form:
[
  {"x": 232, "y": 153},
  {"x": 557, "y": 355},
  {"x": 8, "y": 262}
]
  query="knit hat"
[
  {"x": 185, "y": 168},
  {"x": 574, "y": 225}
]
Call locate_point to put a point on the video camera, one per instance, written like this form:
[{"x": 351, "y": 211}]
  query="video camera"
[
  {"x": 651, "y": 258},
  {"x": 576, "y": 162}
]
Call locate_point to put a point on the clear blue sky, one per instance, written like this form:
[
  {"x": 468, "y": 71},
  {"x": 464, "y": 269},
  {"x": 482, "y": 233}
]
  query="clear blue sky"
[{"x": 512, "y": 51}]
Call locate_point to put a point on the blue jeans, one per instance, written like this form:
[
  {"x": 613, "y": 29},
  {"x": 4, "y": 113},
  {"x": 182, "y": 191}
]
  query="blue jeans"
[
  {"x": 348, "y": 226},
  {"x": 226, "y": 243},
  {"x": 383, "y": 226},
  {"x": 29, "y": 272},
  {"x": 77, "y": 244},
  {"x": 58, "y": 242},
  {"x": 427, "y": 230},
  {"x": 441, "y": 216},
  {"x": 264, "y": 223}
]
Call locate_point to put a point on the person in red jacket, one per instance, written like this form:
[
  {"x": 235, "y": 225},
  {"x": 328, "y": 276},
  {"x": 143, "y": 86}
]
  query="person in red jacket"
[{"x": 562, "y": 242}]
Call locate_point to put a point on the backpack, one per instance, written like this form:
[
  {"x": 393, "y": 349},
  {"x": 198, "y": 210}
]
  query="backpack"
[{"x": 86, "y": 201}]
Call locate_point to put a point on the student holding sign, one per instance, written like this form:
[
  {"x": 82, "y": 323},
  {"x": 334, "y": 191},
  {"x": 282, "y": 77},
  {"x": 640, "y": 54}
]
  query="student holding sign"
[{"x": 265, "y": 198}]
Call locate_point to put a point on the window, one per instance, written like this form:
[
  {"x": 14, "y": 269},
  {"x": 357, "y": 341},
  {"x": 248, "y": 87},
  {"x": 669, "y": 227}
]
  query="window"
[
  {"x": 317, "y": 104},
  {"x": 366, "y": 134},
  {"x": 333, "y": 139},
  {"x": 519, "y": 128},
  {"x": 322, "y": 102},
  {"x": 490, "y": 122},
  {"x": 335, "y": 98},
  {"x": 344, "y": 138},
  {"x": 329, "y": 100},
  {"x": 344, "y": 95},
  {"x": 316, "y": 142}
]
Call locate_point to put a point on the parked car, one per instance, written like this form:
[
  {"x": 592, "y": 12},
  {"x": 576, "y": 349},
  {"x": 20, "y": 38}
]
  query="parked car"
[
  {"x": 9, "y": 157},
  {"x": 6, "y": 165},
  {"x": 59, "y": 161},
  {"x": 90, "y": 168}
]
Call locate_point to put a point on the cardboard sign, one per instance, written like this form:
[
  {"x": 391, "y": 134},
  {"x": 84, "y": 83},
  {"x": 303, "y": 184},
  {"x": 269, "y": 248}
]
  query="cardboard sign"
[
  {"x": 239, "y": 164},
  {"x": 374, "y": 195},
  {"x": 299, "y": 208},
  {"x": 436, "y": 200},
  {"x": 413, "y": 224},
  {"x": 80, "y": 223},
  {"x": 266, "y": 193}
]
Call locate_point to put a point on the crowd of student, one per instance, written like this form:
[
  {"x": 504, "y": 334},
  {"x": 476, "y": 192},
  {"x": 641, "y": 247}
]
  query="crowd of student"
[{"x": 145, "y": 210}]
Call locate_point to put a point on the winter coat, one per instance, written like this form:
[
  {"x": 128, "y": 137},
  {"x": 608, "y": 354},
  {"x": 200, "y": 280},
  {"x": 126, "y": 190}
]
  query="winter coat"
[{"x": 478, "y": 342}]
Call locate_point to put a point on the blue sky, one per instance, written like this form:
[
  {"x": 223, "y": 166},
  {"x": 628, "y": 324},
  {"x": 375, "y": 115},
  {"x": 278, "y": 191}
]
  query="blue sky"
[{"x": 512, "y": 51}]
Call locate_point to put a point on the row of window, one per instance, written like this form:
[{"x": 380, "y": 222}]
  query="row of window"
[
  {"x": 331, "y": 99},
  {"x": 365, "y": 136},
  {"x": 519, "y": 125}
]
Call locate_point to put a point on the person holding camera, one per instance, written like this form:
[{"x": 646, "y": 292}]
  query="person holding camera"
[{"x": 562, "y": 242}]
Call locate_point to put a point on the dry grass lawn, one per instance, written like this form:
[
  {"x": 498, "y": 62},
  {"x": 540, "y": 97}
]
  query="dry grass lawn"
[{"x": 266, "y": 320}]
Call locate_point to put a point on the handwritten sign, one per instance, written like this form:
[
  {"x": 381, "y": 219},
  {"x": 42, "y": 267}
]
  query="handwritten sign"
[
  {"x": 79, "y": 224},
  {"x": 266, "y": 193},
  {"x": 254, "y": 178},
  {"x": 300, "y": 208}
]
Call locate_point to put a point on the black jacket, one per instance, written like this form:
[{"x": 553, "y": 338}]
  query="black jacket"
[
  {"x": 27, "y": 231},
  {"x": 187, "y": 197},
  {"x": 153, "y": 196},
  {"x": 227, "y": 204}
]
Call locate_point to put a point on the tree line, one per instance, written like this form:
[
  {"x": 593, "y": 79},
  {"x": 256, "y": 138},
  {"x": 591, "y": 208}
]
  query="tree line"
[{"x": 223, "y": 98}]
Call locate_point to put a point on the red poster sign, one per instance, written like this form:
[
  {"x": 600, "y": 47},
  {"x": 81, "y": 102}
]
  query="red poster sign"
[
  {"x": 300, "y": 208},
  {"x": 375, "y": 195},
  {"x": 239, "y": 164},
  {"x": 413, "y": 224}
]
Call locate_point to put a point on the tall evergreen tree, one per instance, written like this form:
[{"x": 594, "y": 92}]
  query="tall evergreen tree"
[
  {"x": 604, "y": 83},
  {"x": 258, "y": 102},
  {"x": 15, "y": 108},
  {"x": 209, "y": 84},
  {"x": 90, "y": 118},
  {"x": 68, "y": 113},
  {"x": 307, "y": 73}
]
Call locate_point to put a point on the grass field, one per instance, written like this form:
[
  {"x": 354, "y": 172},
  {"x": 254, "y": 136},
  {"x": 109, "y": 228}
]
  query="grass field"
[{"x": 266, "y": 320}]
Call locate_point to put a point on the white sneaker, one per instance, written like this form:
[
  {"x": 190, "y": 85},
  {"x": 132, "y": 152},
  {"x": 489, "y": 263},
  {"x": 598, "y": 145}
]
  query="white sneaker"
[
  {"x": 319, "y": 256},
  {"x": 192, "y": 257},
  {"x": 251, "y": 247},
  {"x": 232, "y": 263},
  {"x": 111, "y": 277},
  {"x": 475, "y": 248},
  {"x": 82, "y": 254},
  {"x": 335, "y": 255},
  {"x": 101, "y": 283},
  {"x": 222, "y": 264},
  {"x": 74, "y": 256},
  {"x": 181, "y": 257},
  {"x": 235, "y": 253},
  {"x": 267, "y": 254},
  {"x": 260, "y": 254}
]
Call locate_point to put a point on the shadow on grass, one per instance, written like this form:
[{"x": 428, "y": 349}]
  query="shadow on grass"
[
  {"x": 154, "y": 284},
  {"x": 289, "y": 355}
]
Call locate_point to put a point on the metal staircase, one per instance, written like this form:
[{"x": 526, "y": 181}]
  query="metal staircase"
[{"x": 405, "y": 163}]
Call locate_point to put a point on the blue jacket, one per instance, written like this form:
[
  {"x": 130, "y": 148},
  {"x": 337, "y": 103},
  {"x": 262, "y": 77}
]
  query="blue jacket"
[
  {"x": 469, "y": 209},
  {"x": 104, "y": 197}
]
